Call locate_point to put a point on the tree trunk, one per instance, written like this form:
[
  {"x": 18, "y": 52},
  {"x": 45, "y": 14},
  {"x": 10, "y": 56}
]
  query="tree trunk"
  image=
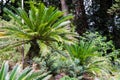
[
  {"x": 104, "y": 16},
  {"x": 33, "y": 52},
  {"x": 80, "y": 16},
  {"x": 1, "y": 8},
  {"x": 64, "y": 7}
]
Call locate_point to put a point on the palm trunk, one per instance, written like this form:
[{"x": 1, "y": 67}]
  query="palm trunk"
[{"x": 33, "y": 52}]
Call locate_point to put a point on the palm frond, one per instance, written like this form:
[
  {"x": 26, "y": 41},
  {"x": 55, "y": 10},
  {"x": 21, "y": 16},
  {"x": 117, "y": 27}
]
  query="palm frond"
[{"x": 18, "y": 74}]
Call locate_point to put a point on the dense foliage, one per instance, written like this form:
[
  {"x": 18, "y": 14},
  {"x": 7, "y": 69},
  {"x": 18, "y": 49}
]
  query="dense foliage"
[
  {"x": 18, "y": 74},
  {"x": 51, "y": 44}
]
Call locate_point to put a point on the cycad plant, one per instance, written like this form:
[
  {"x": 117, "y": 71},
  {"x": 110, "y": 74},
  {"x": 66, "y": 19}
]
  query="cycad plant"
[
  {"x": 82, "y": 51},
  {"x": 18, "y": 74},
  {"x": 89, "y": 58},
  {"x": 41, "y": 27}
]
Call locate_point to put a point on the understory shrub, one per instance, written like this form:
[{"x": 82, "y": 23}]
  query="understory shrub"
[{"x": 94, "y": 53}]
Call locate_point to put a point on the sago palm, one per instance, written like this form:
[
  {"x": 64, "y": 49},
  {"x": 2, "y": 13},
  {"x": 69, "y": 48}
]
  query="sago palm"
[
  {"x": 41, "y": 27},
  {"x": 82, "y": 51},
  {"x": 89, "y": 58}
]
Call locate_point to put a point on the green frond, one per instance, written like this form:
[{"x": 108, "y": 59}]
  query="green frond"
[
  {"x": 3, "y": 35},
  {"x": 14, "y": 72},
  {"x": 23, "y": 14},
  {"x": 18, "y": 32},
  {"x": 44, "y": 48},
  {"x": 4, "y": 70},
  {"x": 62, "y": 19},
  {"x": 20, "y": 74},
  {"x": 13, "y": 16},
  {"x": 57, "y": 38}
]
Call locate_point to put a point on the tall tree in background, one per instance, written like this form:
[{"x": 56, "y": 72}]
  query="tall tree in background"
[
  {"x": 80, "y": 16},
  {"x": 115, "y": 12},
  {"x": 98, "y": 16},
  {"x": 104, "y": 16},
  {"x": 1, "y": 7},
  {"x": 64, "y": 7}
]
